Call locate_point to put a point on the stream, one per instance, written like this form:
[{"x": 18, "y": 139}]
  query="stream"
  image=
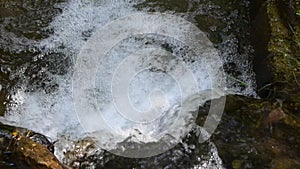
[{"x": 39, "y": 46}]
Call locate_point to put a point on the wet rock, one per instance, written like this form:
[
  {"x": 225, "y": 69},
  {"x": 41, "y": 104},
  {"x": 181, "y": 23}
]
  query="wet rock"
[
  {"x": 164, "y": 5},
  {"x": 244, "y": 140},
  {"x": 29, "y": 18},
  {"x": 226, "y": 24},
  {"x": 19, "y": 150},
  {"x": 35, "y": 155},
  {"x": 284, "y": 58},
  {"x": 41, "y": 139},
  {"x": 82, "y": 154},
  {"x": 274, "y": 116},
  {"x": 287, "y": 163},
  {"x": 278, "y": 48}
]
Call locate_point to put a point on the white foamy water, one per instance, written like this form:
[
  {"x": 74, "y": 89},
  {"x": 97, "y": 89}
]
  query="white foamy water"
[{"x": 53, "y": 114}]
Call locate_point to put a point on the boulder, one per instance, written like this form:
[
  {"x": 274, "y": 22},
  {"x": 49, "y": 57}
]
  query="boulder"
[{"x": 21, "y": 148}]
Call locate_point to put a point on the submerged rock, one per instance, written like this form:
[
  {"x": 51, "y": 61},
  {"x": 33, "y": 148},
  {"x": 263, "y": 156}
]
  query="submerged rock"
[
  {"x": 227, "y": 25},
  {"x": 190, "y": 153}
]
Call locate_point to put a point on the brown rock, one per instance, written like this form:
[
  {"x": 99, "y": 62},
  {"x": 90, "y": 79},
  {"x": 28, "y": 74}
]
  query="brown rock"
[
  {"x": 274, "y": 116},
  {"x": 36, "y": 156}
]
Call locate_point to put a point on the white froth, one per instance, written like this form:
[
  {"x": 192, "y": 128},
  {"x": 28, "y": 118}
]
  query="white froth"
[
  {"x": 53, "y": 114},
  {"x": 80, "y": 19}
]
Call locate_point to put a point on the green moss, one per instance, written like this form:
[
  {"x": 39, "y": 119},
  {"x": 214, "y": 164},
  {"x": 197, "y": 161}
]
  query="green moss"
[
  {"x": 284, "y": 53},
  {"x": 279, "y": 47},
  {"x": 237, "y": 164},
  {"x": 286, "y": 163}
]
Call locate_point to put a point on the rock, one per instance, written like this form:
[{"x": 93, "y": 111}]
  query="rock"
[
  {"x": 278, "y": 49},
  {"x": 17, "y": 149},
  {"x": 164, "y": 5},
  {"x": 284, "y": 58},
  {"x": 35, "y": 155},
  {"x": 274, "y": 116},
  {"x": 286, "y": 163},
  {"x": 244, "y": 141},
  {"x": 237, "y": 164}
]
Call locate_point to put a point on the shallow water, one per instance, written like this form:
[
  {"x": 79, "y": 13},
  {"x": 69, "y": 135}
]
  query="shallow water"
[{"x": 39, "y": 46}]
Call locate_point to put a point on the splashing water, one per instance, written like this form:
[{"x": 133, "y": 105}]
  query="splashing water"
[{"x": 52, "y": 112}]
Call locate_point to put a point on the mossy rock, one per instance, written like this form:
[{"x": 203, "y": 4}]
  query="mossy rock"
[
  {"x": 282, "y": 47},
  {"x": 285, "y": 163},
  {"x": 245, "y": 140},
  {"x": 283, "y": 61}
]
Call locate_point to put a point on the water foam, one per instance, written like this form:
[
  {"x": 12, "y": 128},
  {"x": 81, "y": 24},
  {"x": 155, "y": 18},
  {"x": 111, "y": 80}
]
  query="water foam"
[{"x": 53, "y": 113}]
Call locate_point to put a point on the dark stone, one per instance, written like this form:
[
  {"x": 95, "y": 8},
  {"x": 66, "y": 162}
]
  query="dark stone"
[{"x": 252, "y": 134}]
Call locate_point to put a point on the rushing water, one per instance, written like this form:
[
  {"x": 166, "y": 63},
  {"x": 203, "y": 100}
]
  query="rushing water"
[{"x": 37, "y": 58}]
